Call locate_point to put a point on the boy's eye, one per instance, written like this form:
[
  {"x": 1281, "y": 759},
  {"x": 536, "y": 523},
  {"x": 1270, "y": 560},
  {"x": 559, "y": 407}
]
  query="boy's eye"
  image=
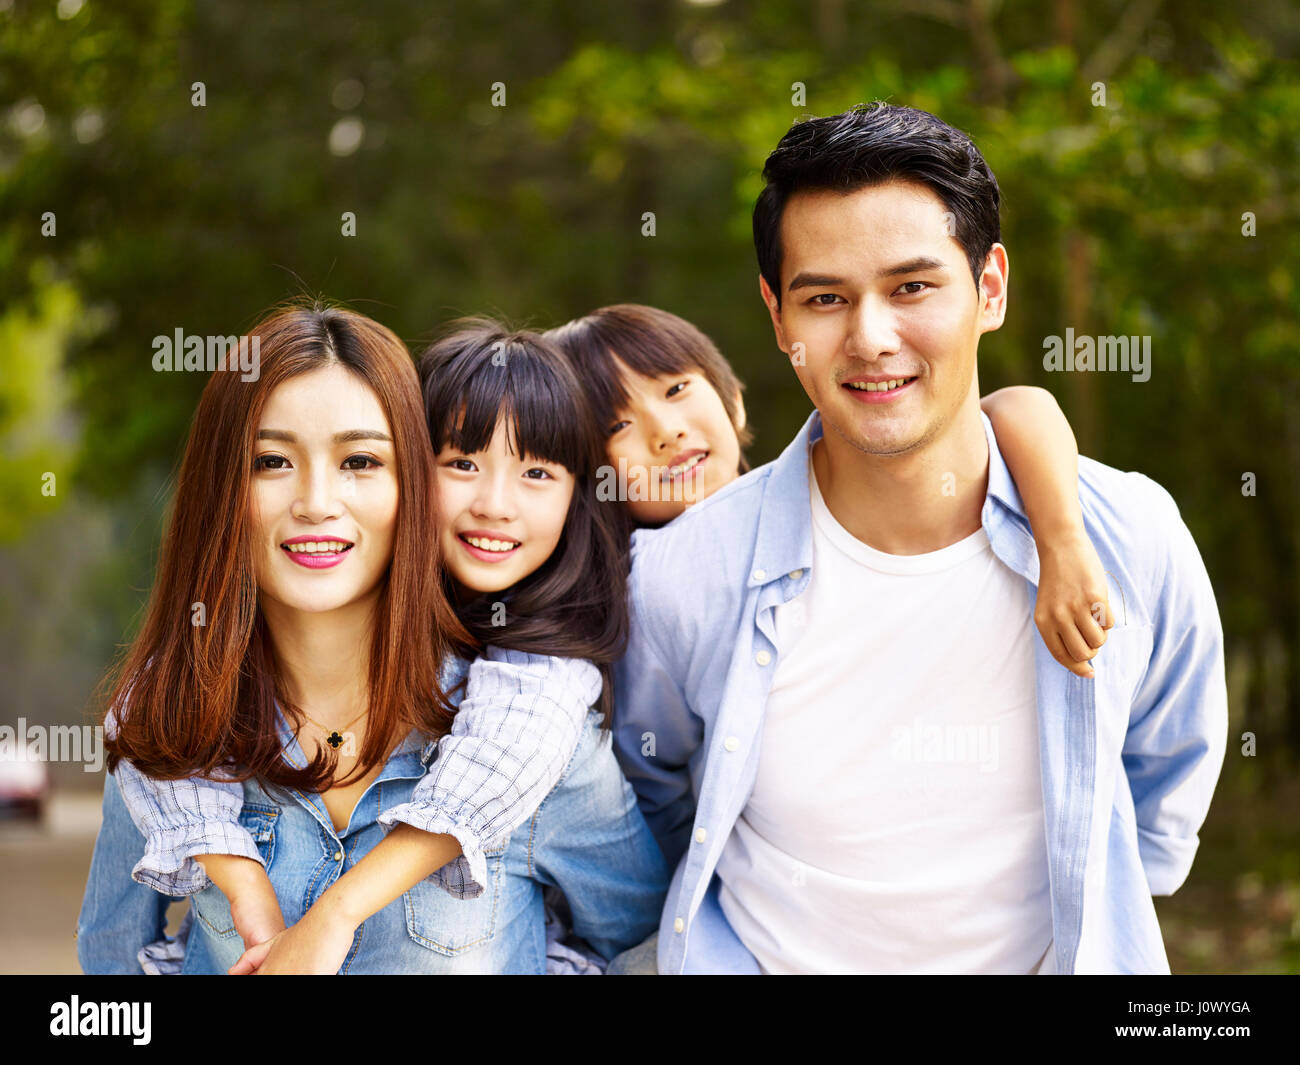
[
  {"x": 365, "y": 462},
  {"x": 676, "y": 388},
  {"x": 269, "y": 462},
  {"x": 617, "y": 426}
]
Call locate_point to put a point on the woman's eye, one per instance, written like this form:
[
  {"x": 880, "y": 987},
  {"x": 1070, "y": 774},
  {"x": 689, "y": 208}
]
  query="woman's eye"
[
  {"x": 269, "y": 462},
  {"x": 366, "y": 462},
  {"x": 617, "y": 426},
  {"x": 676, "y": 388}
]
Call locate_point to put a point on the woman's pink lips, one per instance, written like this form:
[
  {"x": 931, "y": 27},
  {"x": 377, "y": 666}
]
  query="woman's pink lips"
[
  {"x": 878, "y": 397},
  {"x": 488, "y": 556},
  {"x": 321, "y": 560}
]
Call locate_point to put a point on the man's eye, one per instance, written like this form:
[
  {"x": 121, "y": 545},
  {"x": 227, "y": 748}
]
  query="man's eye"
[
  {"x": 919, "y": 286},
  {"x": 268, "y": 462},
  {"x": 823, "y": 296},
  {"x": 366, "y": 462},
  {"x": 676, "y": 388}
]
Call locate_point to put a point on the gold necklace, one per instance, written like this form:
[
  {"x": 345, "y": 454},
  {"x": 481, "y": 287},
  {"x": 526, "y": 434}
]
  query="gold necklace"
[{"x": 333, "y": 737}]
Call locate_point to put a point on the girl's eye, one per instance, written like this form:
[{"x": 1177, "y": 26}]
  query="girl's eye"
[
  {"x": 537, "y": 469},
  {"x": 269, "y": 462},
  {"x": 461, "y": 464},
  {"x": 676, "y": 388},
  {"x": 617, "y": 426},
  {"x": 821, "y": 296},
  {"x": 366, "y": 462}
]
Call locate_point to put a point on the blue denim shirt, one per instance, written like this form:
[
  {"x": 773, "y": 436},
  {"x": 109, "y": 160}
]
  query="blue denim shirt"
[
  {"x": 587, "y": 838},
  {"x": 1129, "y": 758}
]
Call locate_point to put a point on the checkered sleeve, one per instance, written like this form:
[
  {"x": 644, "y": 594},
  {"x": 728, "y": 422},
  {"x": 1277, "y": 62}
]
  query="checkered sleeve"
[
  {"x": 180, "y": 819},
  {"x": 515, "y": 731}
]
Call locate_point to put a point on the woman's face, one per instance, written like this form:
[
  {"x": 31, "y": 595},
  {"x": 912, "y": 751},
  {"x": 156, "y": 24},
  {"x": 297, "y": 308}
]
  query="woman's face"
[
  {"x": 500, "y": 514},
  {"x": 676, "y": 441},
  {"x": 323, "y": 494}
]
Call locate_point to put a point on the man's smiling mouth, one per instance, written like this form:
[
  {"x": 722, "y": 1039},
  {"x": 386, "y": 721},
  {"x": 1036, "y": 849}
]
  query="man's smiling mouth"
[{"x": 880, "y": 386}]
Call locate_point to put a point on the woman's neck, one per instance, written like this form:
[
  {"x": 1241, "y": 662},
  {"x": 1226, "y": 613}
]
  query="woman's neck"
[{"x": 324, "y": 658}]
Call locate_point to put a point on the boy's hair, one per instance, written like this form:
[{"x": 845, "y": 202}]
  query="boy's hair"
[
  {"x": 870, "y": 145},
  {"x": 574, "y": 605},
  {"x": 650, "y": 342}
]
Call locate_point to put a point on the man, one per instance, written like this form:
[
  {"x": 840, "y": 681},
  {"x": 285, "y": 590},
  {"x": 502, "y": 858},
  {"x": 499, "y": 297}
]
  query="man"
[{"x": 835, "y": 709}]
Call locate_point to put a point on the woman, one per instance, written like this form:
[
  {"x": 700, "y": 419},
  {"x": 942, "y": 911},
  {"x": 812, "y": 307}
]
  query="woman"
[{"x": 318, "y": 611}]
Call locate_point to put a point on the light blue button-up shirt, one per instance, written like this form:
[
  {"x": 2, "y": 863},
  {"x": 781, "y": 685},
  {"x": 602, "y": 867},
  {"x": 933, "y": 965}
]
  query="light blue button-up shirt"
[{"x": 1129, "y": 758}]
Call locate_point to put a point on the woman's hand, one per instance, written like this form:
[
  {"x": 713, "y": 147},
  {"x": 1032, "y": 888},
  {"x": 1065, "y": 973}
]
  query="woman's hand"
[
  {"x": 315, "y": 946},
  {"x": 1072, "y": 612}
]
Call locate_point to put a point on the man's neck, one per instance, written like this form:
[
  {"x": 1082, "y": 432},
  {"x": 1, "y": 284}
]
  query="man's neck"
[{"x": 913, "y": 503}]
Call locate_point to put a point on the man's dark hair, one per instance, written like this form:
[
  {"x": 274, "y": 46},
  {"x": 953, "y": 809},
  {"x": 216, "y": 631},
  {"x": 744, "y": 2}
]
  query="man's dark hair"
[{"x": 870, "y": 145}]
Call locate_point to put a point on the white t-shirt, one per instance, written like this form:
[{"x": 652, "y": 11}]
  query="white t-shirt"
[{"x": 896, "y": 822}]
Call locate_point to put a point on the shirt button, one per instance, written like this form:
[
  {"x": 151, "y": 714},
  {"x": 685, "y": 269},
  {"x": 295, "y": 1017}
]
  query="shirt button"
[
  {"x": 700, "y": 835},
  {"x": 678, "y": 925},
  {"x": 338, "y": 856},
  {"x": 796, "y": 575},
  {"x": 731, "y": 743},
  {"x": 762, "y": 658},
  {"x": 760, "y": 574}
]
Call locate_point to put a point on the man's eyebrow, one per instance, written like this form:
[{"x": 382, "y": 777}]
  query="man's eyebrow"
[
  {"x": 912, "y": 266},
  {"x": 345, "y": 437}
]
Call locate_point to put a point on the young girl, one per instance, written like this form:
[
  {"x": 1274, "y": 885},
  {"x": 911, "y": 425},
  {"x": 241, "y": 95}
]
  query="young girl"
[
  {"x": 674, "y": 419},
  {"x": 340, "y": 516}
]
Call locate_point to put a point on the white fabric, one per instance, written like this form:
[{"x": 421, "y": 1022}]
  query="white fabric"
[{"x": 896, "y": 821}]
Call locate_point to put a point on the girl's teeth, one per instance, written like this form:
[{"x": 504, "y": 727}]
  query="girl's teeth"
[
  {"x": 695, "y": 460},
  {"x": 316, "y": 547},
  {"x": 882, "y": 386},
  {"x": 491, "y": 545}
]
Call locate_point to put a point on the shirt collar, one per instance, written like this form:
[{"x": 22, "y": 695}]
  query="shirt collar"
[{"x": 784, "y": 541}]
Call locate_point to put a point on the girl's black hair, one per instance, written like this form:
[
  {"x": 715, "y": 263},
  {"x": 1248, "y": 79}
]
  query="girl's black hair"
[{"x": 575, "y": 604}]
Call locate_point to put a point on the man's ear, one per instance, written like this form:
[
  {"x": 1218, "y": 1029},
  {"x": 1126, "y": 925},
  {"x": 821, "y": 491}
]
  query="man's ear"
[
  {"x": 773, "y": 309},
  {"x": 993, "y": 289}
]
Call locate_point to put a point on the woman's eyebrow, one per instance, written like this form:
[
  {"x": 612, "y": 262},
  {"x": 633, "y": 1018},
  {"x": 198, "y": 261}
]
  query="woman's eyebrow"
[{"x": 347, "y": 436}]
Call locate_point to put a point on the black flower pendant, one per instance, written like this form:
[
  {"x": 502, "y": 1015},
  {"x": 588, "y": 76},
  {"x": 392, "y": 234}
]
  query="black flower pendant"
[{"x": 334, "y": 740}]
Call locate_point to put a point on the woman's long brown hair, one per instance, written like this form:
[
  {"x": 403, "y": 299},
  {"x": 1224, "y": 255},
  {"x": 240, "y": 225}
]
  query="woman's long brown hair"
[{"x": 190, "y": 698}]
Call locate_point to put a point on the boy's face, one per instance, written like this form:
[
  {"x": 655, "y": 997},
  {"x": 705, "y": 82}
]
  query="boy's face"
[
  {"x": 678, "y": 444},
  {"x": 881, "y": 299}
]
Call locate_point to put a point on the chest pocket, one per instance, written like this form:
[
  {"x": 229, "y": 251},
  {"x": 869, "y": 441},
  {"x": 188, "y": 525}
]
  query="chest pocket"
[
  {"x": 210, "y": 905},
  {"x": 452, "y": 926}
]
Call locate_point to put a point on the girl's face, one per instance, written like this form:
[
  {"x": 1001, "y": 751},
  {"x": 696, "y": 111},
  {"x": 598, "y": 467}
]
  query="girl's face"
[
  {"x": 323, "y": 493},
  {"x": 501, "y": 514},
  {"x": 678, "y": 444}
]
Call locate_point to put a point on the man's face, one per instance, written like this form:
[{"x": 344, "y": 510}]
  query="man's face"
[{"x": 881, "y": 299}]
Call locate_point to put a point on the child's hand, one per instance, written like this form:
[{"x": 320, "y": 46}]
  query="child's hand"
[
  {"x": 315, "y": 946},
  {"x": 1072, "y": 612}
]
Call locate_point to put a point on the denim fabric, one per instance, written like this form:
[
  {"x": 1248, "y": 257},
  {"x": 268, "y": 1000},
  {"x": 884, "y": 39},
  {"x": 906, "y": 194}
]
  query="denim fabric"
[{"x": 587, "y": 838}]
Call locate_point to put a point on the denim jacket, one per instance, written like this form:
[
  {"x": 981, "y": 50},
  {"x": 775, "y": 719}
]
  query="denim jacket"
[
  {"x": 587, "y": 838},
  {"x": 1129, "y": 758}
]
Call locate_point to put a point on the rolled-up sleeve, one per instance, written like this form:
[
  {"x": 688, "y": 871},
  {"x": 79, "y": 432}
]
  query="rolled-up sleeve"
[
  {"x": 180, "y": 819},
  {"x": 513, "y": 735}
]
